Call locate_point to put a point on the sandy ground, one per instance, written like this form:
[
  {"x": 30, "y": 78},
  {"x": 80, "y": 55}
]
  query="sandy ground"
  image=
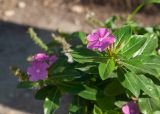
[{"x": 15, "y": 18}]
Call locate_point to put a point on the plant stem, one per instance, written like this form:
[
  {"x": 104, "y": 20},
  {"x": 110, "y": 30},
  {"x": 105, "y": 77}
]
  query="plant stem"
[{"x": 133, "y": 13}]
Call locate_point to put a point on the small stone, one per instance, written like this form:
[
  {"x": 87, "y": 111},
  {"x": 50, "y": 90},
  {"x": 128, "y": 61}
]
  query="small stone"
[
  {"x": 77, "y": 9},
  {"x": 21, "y": 4},
  {"x": 9, "y": 13}
]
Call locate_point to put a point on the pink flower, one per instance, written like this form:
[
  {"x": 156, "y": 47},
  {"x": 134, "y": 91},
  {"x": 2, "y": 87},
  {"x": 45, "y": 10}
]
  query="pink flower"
[
  {"x": 40, "y": 57},
  {"x": 40, "y": 63},
  {"x": 100, "y": 39},
  {"x": 37, "y": 71},
  {"x": 130, "y": 108}
]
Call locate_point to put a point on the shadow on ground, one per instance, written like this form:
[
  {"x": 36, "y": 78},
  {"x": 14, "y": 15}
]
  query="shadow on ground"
[{"x": 15, "y": 46}]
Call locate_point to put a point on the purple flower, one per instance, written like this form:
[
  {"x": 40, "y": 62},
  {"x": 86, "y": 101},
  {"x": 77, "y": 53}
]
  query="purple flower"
[
  {"x": 40, "y": 63},
  {"x": 40, "y": 57},
  {"x": 100, "y": 39},
  {"x": 52, "y": 59},
  {"x": 130, "y": 108},
  {"x": 37, "y": 71}
]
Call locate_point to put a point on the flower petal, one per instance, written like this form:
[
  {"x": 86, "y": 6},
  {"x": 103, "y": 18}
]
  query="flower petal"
[{"x": 103, "y": 32}]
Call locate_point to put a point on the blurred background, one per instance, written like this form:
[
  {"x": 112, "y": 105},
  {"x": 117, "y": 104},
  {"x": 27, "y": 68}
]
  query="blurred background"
[{"x": 47, "y": 16}]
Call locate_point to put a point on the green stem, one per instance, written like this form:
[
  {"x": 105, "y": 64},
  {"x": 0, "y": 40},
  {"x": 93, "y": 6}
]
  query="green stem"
[{"x": 133, "y": 13}]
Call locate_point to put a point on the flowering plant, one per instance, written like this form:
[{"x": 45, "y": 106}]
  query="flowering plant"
[{"x": 112, "y": 70}]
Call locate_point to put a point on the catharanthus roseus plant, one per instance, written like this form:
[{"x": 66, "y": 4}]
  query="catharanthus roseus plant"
[{"x": 112, "y": 70}]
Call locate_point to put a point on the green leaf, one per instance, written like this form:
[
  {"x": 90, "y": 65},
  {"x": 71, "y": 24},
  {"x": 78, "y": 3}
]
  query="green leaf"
[
  {"x": 139, "y": 66},
  {"x": 148, "y": 87},
  {"x": 105, "y": 69},
  {"x": 48, "y": 106},
  {"x": 148, "y": 106},
  {"x": 97, "y": 110},
  {"x": 84, "y": 55},
  {"x": 81, "y": 36},
  {"x": 129, "y": 82},
  {"x": 122, "y": 35},
  {"x": 114, "y": 88},
  {"x": 90, "y": 69},
  {"x": 89, "y": 93},
  {"x": 52, "y": 104},
  {"x": 134, "y": 44},
  {"x": 106, "y": 102},
  {"x": 156, "y": 112},
  {"x": 112, "y": 112},
  {"x": 149, "y": 46},
  {"x": 151, "y": 1},
  {"x": 45, "y": 92},
  {"x": 73, "y": 88},
  {"x": 78, "y": 105},
  {"x": 28, "y": 85}
]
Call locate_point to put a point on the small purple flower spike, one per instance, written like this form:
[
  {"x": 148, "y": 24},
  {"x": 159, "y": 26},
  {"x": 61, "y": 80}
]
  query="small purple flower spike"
[
  {"x": 130, "y": 108},
  {"x": 40, "y": 57},
  {"x": 37, "y": 71},
  {"x": 100, "y": 39}
]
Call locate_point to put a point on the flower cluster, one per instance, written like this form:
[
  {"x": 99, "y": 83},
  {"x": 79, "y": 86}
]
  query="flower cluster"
[
  {"x": 39, "y": 65},
  {"x": 100, "y": 39},
  {"x": 88, "y": 74}
]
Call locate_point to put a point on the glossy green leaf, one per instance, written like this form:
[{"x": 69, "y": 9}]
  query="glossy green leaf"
[
  {"x": 139, "y": 66},
  {"x": 97, "y": 110},
  {"x": 90, "y": 69},
  {"x": 148, "y": 87},
  {"x": 49, "y": 106},
  {"x": 148, "y": 106},
  {"x": 129, "y": 82},
  {"x": 83, "y": 55},
  {"x": 149, "y": 46},
  {"x": 122, "y": 35},
  {"x": 89, "y": 93},
  {"x": 105, "y": 69},
  {"x": 52, "y": 104},
  {"x": 134, "y": 44}
]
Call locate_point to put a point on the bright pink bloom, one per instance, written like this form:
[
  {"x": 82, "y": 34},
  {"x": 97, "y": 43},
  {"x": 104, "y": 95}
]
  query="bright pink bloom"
[
  {"x": 37, "y": 71},
  {"x": 100, "y": 39},
  {"x": 40, "y": 57},
  {"x": 130, "y": 108}
]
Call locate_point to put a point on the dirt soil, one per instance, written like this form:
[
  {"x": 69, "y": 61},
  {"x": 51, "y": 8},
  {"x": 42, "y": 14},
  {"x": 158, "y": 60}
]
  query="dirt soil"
[{"x": 46, "y": 16}]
